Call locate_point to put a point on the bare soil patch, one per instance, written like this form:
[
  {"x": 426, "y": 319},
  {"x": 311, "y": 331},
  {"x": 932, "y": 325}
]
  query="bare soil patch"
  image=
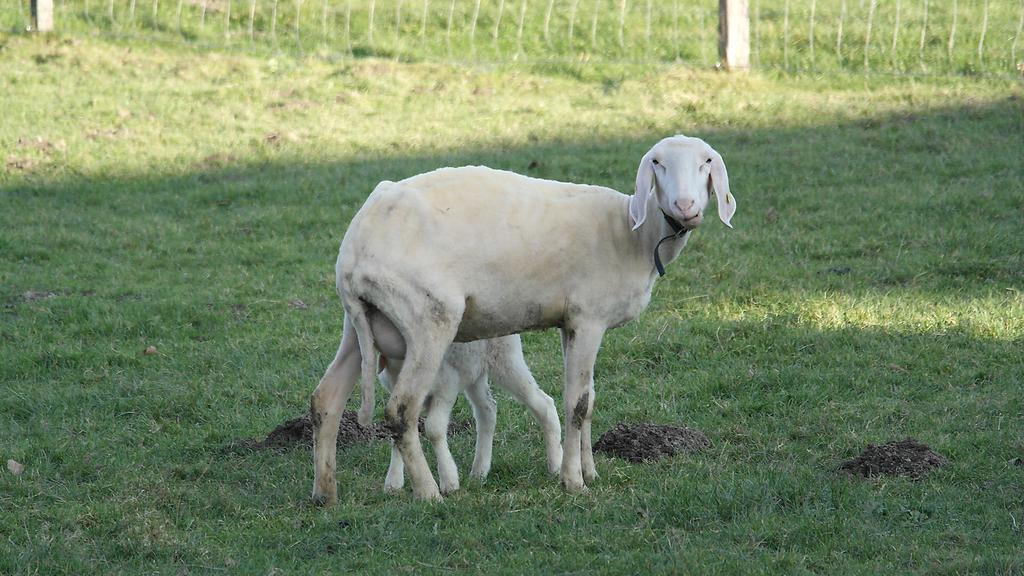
[
  {"x": 650, "y": 442},
  {"x": 906, "y": 457},
  {"x": 35, "y": 295},
  {"x": 298, "y": 432}
]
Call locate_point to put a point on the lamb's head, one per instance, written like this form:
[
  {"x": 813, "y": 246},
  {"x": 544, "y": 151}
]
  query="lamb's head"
[{"x": 683, "y": 173}]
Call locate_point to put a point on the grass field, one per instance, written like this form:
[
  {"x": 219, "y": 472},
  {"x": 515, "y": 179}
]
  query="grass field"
[{"x": 167, "y": 197}]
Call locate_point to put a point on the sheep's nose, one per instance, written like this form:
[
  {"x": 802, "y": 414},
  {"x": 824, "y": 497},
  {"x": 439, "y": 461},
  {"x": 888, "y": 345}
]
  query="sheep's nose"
[{"x": 687, "y": 210}]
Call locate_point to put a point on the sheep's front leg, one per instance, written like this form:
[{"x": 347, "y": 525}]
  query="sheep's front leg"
[{"x": 579, "y": 346}]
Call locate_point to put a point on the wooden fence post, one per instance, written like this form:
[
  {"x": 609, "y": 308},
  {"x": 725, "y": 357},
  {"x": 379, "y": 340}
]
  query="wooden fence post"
[
  {"x": 734, "y": 34},
  {"x": 42, "y": 15}
]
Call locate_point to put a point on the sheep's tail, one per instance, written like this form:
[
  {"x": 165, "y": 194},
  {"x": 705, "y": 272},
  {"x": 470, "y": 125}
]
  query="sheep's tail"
[{"x": 368, "y": 360}]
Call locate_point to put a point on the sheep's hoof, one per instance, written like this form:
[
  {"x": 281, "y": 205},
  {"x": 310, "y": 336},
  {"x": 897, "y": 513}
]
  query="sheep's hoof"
[
  {"x": 393, "y": 488},
  {"x": 574, "y": 486},
  {"x": 448, "y": 483},
  {"x": 479, "y": 473},
  {"x": 429, "y": 496},
  {"x": 323, "y": 500},
  {"x": 590, "y": 476}
]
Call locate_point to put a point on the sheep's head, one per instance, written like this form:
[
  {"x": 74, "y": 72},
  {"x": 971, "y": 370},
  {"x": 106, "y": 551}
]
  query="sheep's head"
[{"x": 683, "y": 172}]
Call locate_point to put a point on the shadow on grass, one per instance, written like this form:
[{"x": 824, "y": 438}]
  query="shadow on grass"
[{"x": 930, "y": 201}]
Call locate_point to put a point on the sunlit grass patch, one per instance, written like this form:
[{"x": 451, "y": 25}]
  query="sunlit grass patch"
[{"x": 996, "y": 315}]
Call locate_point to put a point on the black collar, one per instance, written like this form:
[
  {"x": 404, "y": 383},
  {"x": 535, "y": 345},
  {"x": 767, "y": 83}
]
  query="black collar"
[
  {"x": 677, "y": 231},
  {"x": 673, "y": 224}
]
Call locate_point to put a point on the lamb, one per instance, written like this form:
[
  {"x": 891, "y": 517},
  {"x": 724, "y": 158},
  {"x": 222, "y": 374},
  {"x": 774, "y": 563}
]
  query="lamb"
[
  {"x": 463, "y": 254},
  {"x": 466, "y": 368}
]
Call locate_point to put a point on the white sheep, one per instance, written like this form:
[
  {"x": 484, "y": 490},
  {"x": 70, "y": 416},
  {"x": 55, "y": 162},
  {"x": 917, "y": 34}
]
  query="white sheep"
[
  {"x": 467, "y": 368},
  {"x": 462, "y": 254}
]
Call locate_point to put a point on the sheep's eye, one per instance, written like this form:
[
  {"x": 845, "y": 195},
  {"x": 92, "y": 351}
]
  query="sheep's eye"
[
  {"x": 655, "y": 161},
  {"x": 708, "y": 161}
]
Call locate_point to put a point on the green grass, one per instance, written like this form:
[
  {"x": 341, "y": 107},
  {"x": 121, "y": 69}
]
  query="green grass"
[{"x": 870, "y": 291}]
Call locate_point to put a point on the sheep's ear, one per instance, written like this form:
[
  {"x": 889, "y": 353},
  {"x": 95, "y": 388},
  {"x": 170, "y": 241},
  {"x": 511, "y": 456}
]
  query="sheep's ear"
[
  {"x": 644, "y": 182},
  {"x": 720, "y": 180}
]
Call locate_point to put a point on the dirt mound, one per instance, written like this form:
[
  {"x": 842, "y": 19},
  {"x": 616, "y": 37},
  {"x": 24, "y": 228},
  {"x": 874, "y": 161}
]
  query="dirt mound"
[
  {"x": 649, "y": 442},
  {"x": 903, "y": 458},
  {"x": 299, "y": 432}
]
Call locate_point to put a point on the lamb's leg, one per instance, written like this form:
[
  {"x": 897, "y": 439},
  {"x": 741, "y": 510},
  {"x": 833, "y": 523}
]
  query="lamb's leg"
[
  {"x": 586, "y": 450},
  {"x": 395, "y": 479},
  {"x": 485, "y": 411},
  {"x": 325, "y": 409},
  {"x": 438, "y": 406},
  {"x": 414, "y": 382},
  {"x": 510, "y": 372},
  {"x": 579, "y": 345}
]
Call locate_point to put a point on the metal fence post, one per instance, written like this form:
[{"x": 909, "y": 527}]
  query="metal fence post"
[
  {"x": 734, "y": 34},
  {"x": 42, "y": 15}
]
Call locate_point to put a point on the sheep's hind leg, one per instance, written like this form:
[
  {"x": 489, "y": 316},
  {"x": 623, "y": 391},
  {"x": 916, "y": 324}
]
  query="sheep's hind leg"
[
  {"x": 414, "y": 383},
  {"x": 325, "y": 409}
]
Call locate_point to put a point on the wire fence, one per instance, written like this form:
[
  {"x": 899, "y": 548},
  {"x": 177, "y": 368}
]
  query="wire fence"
[{"x": 885, "y": 36}]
